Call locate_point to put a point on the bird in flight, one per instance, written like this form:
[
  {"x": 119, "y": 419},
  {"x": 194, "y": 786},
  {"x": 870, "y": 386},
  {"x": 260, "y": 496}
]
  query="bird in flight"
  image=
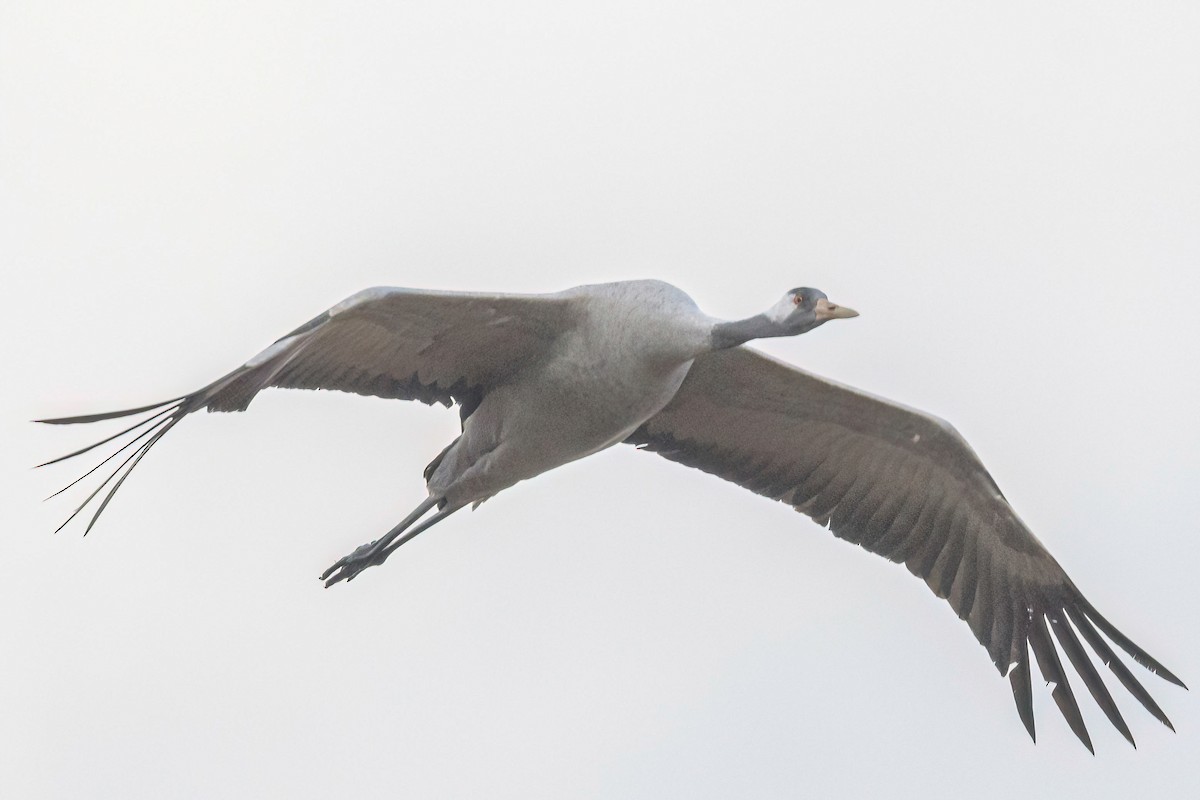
[{"x": 542, "y": 380}]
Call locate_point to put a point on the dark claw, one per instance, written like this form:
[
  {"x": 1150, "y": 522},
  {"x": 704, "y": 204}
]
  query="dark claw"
[{"x": 347, "y": 567}]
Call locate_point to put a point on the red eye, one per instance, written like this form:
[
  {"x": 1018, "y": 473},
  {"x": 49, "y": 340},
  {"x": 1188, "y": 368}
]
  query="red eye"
[{"x": 798, "y": 299}]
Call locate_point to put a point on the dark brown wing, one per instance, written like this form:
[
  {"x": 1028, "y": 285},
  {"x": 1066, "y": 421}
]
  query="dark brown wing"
[
  {"x": 447, "y": 347},
  {"x": 406, "y": 344},
  {"x": 905, "y": 485}
]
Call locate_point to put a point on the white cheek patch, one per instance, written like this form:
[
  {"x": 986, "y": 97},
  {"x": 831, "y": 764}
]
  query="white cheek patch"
[{"x": 782, "y": 310}]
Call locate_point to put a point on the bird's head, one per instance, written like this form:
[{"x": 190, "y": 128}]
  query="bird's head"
[
  {"x": 803, "y": 309},
  {"x": 798, "y": 312}
]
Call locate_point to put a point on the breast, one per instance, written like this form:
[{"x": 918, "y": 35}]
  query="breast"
[
  {"x": 618, "y": 367},
  {"x": 608, "y": 377},
  {"x": 638, "y": 327},
  {"x": 596, "y": 395}
]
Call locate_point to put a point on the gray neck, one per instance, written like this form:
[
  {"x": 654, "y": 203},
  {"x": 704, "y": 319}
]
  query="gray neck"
[{"x": 731, "y": 334}]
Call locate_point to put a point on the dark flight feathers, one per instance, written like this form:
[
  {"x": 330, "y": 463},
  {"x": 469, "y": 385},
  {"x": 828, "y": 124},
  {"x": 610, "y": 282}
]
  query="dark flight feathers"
[{"x": 903, "y": 485}]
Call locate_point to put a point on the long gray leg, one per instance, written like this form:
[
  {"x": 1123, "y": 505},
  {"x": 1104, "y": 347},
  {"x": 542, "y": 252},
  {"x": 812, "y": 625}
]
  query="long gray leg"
[
  {"x": 424, "y": 526},
  {"x": 372, "y": 553}
]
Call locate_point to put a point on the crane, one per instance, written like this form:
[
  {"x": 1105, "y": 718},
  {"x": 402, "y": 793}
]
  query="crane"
[{"x": 544, "y": 379}]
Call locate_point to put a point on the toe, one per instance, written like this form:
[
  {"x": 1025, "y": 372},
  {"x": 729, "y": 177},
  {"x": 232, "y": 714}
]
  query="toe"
[
  {"x": 338, "y": 565},
  {"x": 340, "y": 575}
]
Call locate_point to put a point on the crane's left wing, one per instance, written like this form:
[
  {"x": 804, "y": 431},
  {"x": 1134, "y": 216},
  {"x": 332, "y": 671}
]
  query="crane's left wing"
[
  {"x": 436, "y": 347},
  {"x": 906, "y": 486}
]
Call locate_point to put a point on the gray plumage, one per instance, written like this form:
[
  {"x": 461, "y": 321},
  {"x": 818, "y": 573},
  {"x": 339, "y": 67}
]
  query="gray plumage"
[{"x": 542, "y": 380}]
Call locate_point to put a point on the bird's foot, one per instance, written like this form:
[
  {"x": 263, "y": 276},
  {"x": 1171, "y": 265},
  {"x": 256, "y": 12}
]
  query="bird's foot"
[{"x": 347, "y": 567}]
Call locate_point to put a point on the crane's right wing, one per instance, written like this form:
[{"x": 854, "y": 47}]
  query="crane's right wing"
[{"x": 436, "y": 347}]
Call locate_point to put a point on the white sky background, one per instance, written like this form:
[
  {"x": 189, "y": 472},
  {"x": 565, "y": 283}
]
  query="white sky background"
[{"x": 1009, "y": 195}]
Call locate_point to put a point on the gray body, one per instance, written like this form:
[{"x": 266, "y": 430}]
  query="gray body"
[
  {"x": 542, "y": 380},
  {"x": 584, "y": 395}
]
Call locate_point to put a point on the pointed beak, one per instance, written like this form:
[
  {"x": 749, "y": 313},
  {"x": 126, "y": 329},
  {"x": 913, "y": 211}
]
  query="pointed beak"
[{"x": 826, "y": 310}]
